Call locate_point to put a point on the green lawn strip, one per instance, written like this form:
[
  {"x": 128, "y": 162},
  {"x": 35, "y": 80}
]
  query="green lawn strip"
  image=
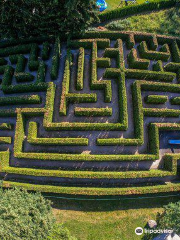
[{"x": 165, "y": 22}]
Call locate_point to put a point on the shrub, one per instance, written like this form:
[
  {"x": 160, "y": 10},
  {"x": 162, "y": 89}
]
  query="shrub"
[
  {"x": 55, "y": 60},
  {"x": 24, "y": 215},
  {"x": 175, "y": 101},
  {"x": 33, "y": 99},
  {"x": 45, "y": 51},
  {"x": 80, "y": 71},
  {"x": 59, "y": 232},
  {"x": 95, "y": 112},
  {"x": 156, "y": 99}
]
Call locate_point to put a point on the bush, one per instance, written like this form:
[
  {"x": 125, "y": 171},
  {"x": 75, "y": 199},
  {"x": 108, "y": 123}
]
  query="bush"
[
  {"x": 60, "y": 233},
  {"x": 156, "y": 99},
  {"x": 24, "y": 215}
]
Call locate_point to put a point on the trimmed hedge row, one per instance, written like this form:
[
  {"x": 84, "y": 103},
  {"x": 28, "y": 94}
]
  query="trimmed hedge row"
[
  {"x": 136, "y": 9},
  {"x": 158, "y": 66},
  {"x": 150, "y": 75},
  {"x": 19, "y": 49},
  {"x": 90, "y": 174},
  {"x": 5, "y": 126},
  {"x": 21, "y": 64},
  {"x": 175, "y": 52},
  {"x": 55, "y": 60},
  {"x": 33, "y": 57},
  {"x": 5, "y": 140},
  {"x": 156, "y": 99},
  {"x": 135, "y": 62},
  {"x": 32, "y": 138},
  {"x": 24, "y": 77},
  {"x": 45, "y": 51},
  {"x": 87, "y": 43},
  {"x": 41, "y": 74},
  {"x": 175, "y": 101},
  {"x": 33, "y": 99},
  {"x": 90, "y": 191},
  {"x": 21, "y": 88},
  {"x": 80, "y": 70},
  {"x": 155, "y": 112},
  {"x": 93, "y": 112},
  {"x": 164, "y": 55}
]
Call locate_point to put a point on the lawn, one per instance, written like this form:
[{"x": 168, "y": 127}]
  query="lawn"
[
  {"x": 107, "y": 220},
  {"x": 163, "y": 22},
  {"x": 112, "y": 4}
]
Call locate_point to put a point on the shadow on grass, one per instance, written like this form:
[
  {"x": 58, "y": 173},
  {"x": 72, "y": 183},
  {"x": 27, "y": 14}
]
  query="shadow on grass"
[{"x": 153, "y": 201}]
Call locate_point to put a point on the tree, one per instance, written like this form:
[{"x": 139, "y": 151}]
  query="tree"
[{"x": 24, "y": 18}]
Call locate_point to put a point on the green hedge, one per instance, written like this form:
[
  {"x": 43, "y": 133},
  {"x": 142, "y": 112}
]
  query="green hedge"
[
  {"x": 6, "y": 126},
  {"x": 55, "y": 60},
  {"x": 24, "y": 77},
  {"x": 33, "y": 99},
  {"x": 175, "y": 101},
  {"x": 97, "y": 191},
  {"x": 175, "y": 52},
  {"x": 19, "y": 49},
  {"x": 32, "y": 138},
  {"x": 158, "y": 66},
  {"x": 41, "y": 74},
  {"x": 135, "y": 62},
  {"x": 94, "y": 112},
  {"x": 46, "y": 51},
  {"x": 164, "y": 53},
  {"x": 21, "y": 64},
  {"x": 33, "y": 57},
  {"x": 156, "y": 99},
  {"x": 80, "y": 70},
  {"x": 150, "y": 75}
]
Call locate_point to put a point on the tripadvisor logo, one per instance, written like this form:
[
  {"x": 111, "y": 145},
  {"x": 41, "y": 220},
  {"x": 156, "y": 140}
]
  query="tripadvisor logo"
[{"x": 139, "y": 231}]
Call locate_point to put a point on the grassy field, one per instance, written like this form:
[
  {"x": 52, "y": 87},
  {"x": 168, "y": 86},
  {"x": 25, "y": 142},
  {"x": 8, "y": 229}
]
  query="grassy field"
[
  {"x": 112, "y": 4},
  {"x": 163, "y": 22},
  {"x": 107, "y": 220}
]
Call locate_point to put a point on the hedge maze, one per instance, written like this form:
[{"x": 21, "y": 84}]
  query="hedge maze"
[{"x": 87, "y": 117}]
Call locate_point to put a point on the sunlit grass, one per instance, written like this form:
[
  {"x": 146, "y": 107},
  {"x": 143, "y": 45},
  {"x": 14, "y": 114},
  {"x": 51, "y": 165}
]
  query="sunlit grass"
[
  {"x": 112, "y": 4},
  {"x": 163, "y": 22},
  {"x": 108, "y": 220}
]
